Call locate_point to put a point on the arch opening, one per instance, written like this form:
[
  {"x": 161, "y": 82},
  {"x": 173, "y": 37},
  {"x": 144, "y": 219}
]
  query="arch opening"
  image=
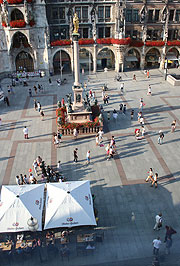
[
  {"x": 132, "y": 59},
  {"x": 24, "y": 62},
  {"x": 105, "y": 59},
  {"x": 19, "y": 39},
  {"x": 61, "y": 62},
  {"x": 153, "y": 58},
  {"x": 172, "y": 57},
  {"x": 85, "y": 60}
]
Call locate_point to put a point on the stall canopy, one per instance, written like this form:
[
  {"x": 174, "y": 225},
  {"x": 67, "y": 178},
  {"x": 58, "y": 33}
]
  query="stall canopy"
[
  {"x": 69, "y": 204},
  {"x": 131, "y": 58},
  {"x": 18, "y": 204}
]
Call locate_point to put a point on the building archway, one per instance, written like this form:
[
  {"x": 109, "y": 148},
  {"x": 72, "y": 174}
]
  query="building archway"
[
  {"x": 105, "y": 59},
  {"x": 152, "y": 58},
  {"x": 132, "y": 59},
  {"x": 85, "y": 60},
  {"x": 16, "y": 14},
  {"x": 24, "y": 62},
  {"x": 172, "y": 57},
  {"x": 19, "y": 39},
  {"x": 61, "y": 61}
]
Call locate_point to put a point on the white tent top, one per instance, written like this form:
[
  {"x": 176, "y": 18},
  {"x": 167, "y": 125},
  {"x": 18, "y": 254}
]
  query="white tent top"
[
  {"x": 69, "y": 204},
  {"x": 18, "y": 204}
]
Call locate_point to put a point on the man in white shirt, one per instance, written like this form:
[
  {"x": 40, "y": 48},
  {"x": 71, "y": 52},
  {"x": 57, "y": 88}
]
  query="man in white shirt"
[
  {"x": 25, "y": 131},
  {"x": 156, "y": 244},
  {"x": 158, "y": 220},
  {"x": 100, "y": 133}
]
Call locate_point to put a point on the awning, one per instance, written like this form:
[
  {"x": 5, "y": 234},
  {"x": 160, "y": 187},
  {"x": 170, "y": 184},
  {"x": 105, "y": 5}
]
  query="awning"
[
  {"x": 131, "y": 59},
  {"x": 171, "y": 57}
]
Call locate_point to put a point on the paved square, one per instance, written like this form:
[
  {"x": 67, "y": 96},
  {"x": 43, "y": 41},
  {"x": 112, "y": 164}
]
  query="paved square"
[{"x": 119, "y": 183}]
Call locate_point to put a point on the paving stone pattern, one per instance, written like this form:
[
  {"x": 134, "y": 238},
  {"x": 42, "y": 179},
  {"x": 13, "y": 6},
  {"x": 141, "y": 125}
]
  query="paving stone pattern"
[{"x": 118, "y": 183}]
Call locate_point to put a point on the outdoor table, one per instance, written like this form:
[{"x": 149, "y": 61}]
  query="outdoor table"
[
  {"x": 23, "y": 244},
  {"x": 85, "y": 238},
  {"x": 6, "y": 246}
]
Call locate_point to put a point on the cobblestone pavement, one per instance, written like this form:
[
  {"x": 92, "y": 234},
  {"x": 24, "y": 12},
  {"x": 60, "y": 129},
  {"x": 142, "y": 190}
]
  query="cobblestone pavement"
[{"x": 119, "y": 183}]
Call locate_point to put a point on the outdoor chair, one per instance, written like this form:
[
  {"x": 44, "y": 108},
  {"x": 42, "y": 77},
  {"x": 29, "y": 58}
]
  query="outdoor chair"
[{"x": 100, "y": 237}]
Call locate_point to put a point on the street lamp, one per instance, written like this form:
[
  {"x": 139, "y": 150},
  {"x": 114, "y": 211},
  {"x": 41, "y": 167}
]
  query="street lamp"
[{"x": 61, "y": 67}]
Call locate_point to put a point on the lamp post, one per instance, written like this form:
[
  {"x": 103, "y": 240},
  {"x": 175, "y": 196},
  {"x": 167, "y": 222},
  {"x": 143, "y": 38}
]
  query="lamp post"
[
  {"x": 165, "y": 69},
  {"x": 61, "y": 67}
]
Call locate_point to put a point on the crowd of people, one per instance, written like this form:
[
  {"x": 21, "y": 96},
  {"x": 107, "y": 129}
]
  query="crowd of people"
[{"x": 42, "y": 173}]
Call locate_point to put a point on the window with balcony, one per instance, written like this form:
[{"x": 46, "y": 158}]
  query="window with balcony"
[
  {"x": 129, "y": 15},
  {"x": 156, "y": 17},
  {"x": 171, "y": 15},
  {"x": 150, "y": 15}
]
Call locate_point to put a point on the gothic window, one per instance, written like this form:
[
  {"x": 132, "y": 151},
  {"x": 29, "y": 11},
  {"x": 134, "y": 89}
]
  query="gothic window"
[
  {"x": 101, "y": 32},
  {"x": 107, "y": 12},
  {"x": 85, "y": 12},
  {"x": 16, "y": 15},
  {"x": 78, "y": 11}
]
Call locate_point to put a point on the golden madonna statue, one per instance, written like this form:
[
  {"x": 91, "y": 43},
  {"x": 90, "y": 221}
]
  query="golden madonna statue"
[{"x": 76, "y": 23}]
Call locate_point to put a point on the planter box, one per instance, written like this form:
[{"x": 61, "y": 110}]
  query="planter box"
[{"x": 173, "y": 81}]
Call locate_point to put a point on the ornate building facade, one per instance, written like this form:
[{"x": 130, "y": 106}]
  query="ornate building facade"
[{"x": 114, "y": 34}]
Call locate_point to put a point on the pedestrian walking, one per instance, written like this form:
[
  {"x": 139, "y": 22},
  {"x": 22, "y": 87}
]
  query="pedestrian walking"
[
  {"x": 75, "y": 155},
  {"x": 168, "y": 245},
  {"x": 143, "y": 131},
  {"x": 39, "y": 88},
  {"x": 35, "y": 105},
  {"x": 88, "y": 157},
  {"x": 108, "y": 115},
  {"x": 161, "y": 137},
  {"x": 141, "y": 120},
  {"x": 50, "y": 81},
  {"x": 156, "y": 245},
  {"x": 59, "y": 136},
  {"x": 30, "y": 92},
  {"x": 139, "y": 116},
  {"x": 149, "y": 90},
  {"x": 39, "y": 106},
  {"x": 111, "y": 153},
  {"x": 25, "y": 131},
  {"x": 134, "y": 77},
  {"x": 97, "y": 140},
  {"x": 56, "y": 141},
  {"x": 158, "y": 221},
  {"x": 141, "y": 105},
  {"x": 122, "y": 88},
  {"x": 100, "y": 134},
  {"x": 42, "y": 115},
  {"x": 75, "y": 133},
  {"x": 6, "y": 100},
  {"x": 132, "y": 114},
  {"x": 103, "y": 94},
  {"x": 148, "y": 74},
  {"x": 21, "y": 179},
  {"x": 169, "y": 232},
  {"x": 173, "y": 126},
  {"x": 18, "y": 180},
  {"x": 150, "y": 175},
  {"x": 35, "y": 165},
  {"x": 35, "y": 89},
  {"x": 107, "y": 99},
  {"x": 120, "y": 108},
  {"x": 124, "y": 109},
  {"x": 59, "y": 166},
  {"x": 115, "y": 115},
  {"x": 155, "y": 180}
]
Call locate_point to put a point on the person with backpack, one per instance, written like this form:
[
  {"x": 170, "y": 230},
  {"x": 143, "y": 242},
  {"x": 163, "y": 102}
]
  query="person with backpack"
[{"x": 161, "y": 137}]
